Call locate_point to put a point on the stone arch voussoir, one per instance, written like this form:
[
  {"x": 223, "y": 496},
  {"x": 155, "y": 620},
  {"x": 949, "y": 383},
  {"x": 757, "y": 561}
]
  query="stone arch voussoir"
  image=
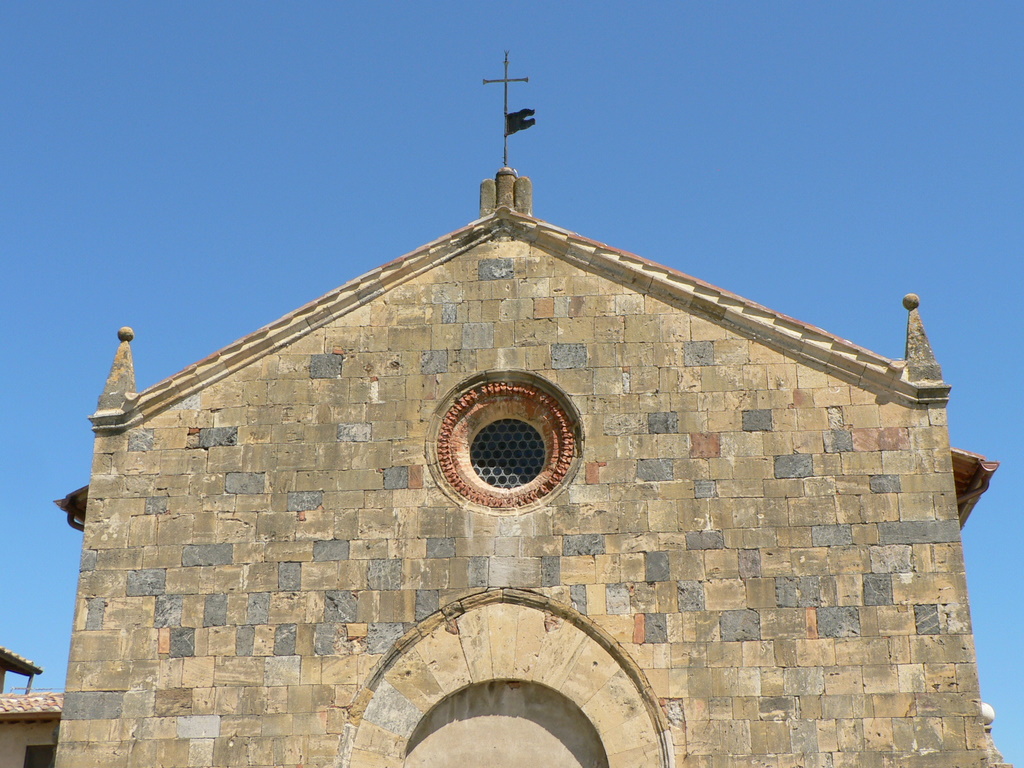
[{"x": 508, "y": 634}]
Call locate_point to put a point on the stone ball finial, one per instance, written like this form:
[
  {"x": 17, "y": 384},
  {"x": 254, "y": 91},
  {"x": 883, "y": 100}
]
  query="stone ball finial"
[
  {"x": 125, "y": 334},
  {"x": 911, "y": 301},
  {"x": 988, "y": 713}
]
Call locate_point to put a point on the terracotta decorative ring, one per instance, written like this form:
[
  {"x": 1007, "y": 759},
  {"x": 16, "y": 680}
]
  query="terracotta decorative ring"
[{"x": 528, "y": 411}]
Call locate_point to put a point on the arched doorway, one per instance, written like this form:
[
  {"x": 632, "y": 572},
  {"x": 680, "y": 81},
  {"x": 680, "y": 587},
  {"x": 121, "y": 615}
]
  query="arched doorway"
[
  {"x": 505, "y": 724},
  {"x": 507, "y": 636}
]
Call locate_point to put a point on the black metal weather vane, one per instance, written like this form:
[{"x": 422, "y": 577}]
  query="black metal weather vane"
[{"x": 516, "y": 121}]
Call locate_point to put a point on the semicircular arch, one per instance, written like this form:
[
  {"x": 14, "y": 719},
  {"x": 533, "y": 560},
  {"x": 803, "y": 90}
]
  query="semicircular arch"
[{"x": 509, "y": 635}]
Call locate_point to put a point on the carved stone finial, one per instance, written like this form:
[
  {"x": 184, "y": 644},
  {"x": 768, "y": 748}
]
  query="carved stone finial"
[
  {"x": 921, "y": 363},
  {"x": 121, "y": 379},
  {"x": 488, "y": 197},
  {"x": 505, "y": 181},
  {"x": 506, "y": 190}
]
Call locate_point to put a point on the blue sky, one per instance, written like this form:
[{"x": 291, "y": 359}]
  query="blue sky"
[{"x": 196, "y": 170}]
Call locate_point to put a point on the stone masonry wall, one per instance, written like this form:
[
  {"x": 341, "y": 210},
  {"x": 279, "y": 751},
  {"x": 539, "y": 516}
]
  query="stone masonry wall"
[{"x": 775, "y": 548}]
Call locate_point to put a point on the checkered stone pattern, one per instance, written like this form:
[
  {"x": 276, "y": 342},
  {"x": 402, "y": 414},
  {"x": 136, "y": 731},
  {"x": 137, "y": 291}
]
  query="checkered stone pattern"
[{"x": 776, "y": 548}]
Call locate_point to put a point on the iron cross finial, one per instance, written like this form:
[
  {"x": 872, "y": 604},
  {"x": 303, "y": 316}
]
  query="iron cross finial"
[{"x": 517, "y": 121}]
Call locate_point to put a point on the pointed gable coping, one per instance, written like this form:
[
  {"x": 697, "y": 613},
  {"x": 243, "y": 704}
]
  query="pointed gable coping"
[{"x": 815, "y": 346}]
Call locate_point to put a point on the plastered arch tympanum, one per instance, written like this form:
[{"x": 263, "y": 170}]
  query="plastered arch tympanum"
[{"x": 508, "y": 635}]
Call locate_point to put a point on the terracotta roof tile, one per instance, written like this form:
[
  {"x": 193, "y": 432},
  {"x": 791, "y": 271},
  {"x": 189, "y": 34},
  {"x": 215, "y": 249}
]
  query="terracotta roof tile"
[
  {"x": 12, "y": 662},
  {"x": 30, "y": 703}
]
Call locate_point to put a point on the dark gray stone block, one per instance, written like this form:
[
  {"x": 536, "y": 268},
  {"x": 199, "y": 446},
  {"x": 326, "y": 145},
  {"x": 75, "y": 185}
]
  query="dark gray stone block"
[
  {"x": 654, "y": 470},
  {"x": 148, "y": 581},
  {"x": 664, "y": 423},
  {"x": 495, "y": 269},
  {"x": 885, "y": 484},
  {"x": 207, "y": 554},
  {"x": 258, "y": 608},
  {"x": 740, "y": 625},
  {"x": 838, "y": 441},
  {"x": 705, "y": 540},
  {"x": 478, "y": 571},
  {"x": 325, "y": 366},
  {"x": 427, "y": 602},
  {"x": 444, "y": 547},
  {"x": 244, "y": 482},
  {"x": 750, "y": 564},
  {"x": 691, "y": 596},
  {"x": 341, "y": 606},
  {"x": 839, "y": 622},
  {"x": 88, "y": 561},
  {"x": 183, "y": 642},
  {"x": 92, "y": 705},
  {"x": 245, "y": 639},
  {"x": 434, "y": 361},
  {"x": 449, "y": 313},
  {"x": 289, "y": 576},
  {"x": 215, "y": 611},
  {"x": 156, "y": 505},
  {"x": 381, "y": 635},
  {"x": 140, "y": 440},
  {"x": 583, "y": 544},
  {"x": 919, "y": 532},
  {"x": 305, "y": 501},
  {"x": 794, "y": 465},
  {"x": 877, "y": 589},
  {"x": 332, "y": 549},
  {"x": 384, "y": 574},
  {"x": 358, "y": 432},
  {"x": 578, "y": 596},
  {"x": 705, "y": 489},
  {"x": 551, "y": 571},
  {"x": 167, "y": 611},
  {"x": 284, "y": 640},
  {"x": 94, "y": 609},
  {"x": 655, "y": 628},
  {"x": 568, "y": 356},
  {"x": 325, "y": 639},
  {"x": 213, "y": 436},
  {"x": 798, "y": 591},
  {"x": 698, "y": 353},
  {"x": 926, "y": 617},
  {"x": 396, "y": 478},
  {"x": 831, "y": 535},
  {"x": 656, "y": 566},
  {"x": 759, "y": 420}
]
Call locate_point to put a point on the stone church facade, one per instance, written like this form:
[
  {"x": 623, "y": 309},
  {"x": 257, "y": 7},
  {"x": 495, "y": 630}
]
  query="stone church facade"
[{"x": 519, "y": 496}]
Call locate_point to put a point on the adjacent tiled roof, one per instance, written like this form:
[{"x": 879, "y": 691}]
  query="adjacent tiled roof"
[
  {"x": 972, "y": 473},
  {"x": 31, "y": 703},
  {"x": 12, "y": 662}
]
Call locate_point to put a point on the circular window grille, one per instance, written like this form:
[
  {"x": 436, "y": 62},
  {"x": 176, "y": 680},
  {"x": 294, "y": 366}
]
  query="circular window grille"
[
  {"x": 507, "y": 453},
  {"x": 506, "y": 444}
]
